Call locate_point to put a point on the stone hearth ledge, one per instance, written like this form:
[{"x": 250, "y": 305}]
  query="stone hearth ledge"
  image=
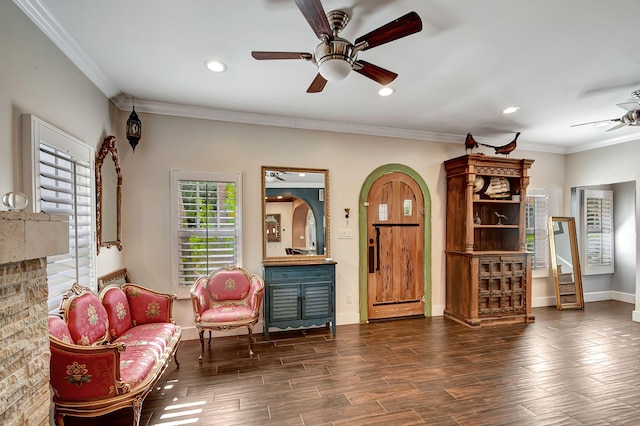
[{"x": 26, "y": 236}]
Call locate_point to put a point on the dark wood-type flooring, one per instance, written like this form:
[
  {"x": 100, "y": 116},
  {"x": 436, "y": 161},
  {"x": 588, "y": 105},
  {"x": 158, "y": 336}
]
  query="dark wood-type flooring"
[{"x": 567, "y": 368}]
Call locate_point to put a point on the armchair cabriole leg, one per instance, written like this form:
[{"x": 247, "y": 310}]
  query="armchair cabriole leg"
[
  {"x": 250, "y": 327},
  {"x": 201, "y": 345}
]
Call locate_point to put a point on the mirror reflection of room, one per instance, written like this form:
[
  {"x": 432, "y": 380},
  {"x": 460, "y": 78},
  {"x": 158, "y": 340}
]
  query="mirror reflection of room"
[
  {"x": 300, "y": 237},
  {"x": 294, "y": 212},
  {"x": 565, "y": 263}
]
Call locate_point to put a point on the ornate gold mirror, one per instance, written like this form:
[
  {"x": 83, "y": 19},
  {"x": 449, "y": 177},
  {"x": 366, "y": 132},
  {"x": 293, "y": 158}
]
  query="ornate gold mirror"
[
  {"x": 295, "y": 206},
  {"x": 108, "y": 196},
  {"x": 563, "y": 245}
]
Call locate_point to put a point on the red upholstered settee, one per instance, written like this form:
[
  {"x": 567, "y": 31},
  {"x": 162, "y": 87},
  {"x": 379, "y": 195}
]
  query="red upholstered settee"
[{"x": 108, "y": 351}]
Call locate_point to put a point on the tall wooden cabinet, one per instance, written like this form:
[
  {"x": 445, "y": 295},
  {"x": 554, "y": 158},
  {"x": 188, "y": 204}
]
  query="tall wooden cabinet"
[{"x": 488, "y": 272}]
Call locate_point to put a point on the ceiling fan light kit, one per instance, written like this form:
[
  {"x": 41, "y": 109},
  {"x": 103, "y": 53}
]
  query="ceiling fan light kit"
[
  {"x": 335, "y": 60},
  {"x": 335, "y": 57}
]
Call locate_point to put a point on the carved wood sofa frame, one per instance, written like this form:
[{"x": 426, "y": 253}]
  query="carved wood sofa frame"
[{"x": 109, "y": 350}]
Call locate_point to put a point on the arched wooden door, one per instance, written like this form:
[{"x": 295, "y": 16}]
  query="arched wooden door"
[{"x": 395, "y": 247}]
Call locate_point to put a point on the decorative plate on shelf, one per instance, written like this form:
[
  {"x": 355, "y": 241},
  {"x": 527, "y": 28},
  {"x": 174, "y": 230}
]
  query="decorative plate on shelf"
[{"x": 478, "y": 184}]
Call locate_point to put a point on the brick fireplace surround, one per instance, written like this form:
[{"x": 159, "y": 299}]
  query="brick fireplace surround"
[{"x": 26, "y": 239}]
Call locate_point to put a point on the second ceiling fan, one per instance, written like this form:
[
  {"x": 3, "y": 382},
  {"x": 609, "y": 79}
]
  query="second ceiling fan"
[{"x": 335, "y": 57}]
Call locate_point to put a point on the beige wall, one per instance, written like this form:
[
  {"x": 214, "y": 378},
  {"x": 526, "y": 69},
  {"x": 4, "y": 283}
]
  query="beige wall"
[
  {"x": 36, "y": 78},
  {"x": 170, "y": 143}
]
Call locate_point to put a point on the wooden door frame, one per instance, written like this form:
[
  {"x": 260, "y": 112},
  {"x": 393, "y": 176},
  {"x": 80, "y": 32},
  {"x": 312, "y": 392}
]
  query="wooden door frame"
[{"x": 362, "y": 232}]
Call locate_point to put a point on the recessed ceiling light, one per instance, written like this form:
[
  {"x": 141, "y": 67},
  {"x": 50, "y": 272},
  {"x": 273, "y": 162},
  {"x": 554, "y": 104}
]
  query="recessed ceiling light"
[
  {"x": 386, "y": 91},
  {"x": 215, "y": 65},
  {"x": 510, "y": 110}
]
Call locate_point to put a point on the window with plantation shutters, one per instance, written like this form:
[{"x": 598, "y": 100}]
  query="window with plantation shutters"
[
  {"x": 207, "y": 224},
  {"x": 537, "y": 233},
  {"x": 597, "y": 232},
  {"x": 61, "y": 181}
]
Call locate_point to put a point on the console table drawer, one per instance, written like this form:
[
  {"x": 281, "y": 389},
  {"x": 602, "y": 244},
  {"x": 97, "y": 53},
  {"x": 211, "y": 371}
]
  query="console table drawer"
[{"x": 296, "y": 274}]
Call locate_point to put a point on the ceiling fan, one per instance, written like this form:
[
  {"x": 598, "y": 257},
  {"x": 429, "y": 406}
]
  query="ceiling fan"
[
  {"x": 335, "y": 57},
  {"x": 631, "y": 118},
  {"x": 273, "y": 176}
]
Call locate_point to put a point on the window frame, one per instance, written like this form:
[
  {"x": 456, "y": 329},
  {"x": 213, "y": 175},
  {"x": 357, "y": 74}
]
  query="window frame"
[
  {"x": 34, "y": 133},
  {"x": 183, "y": 291}
]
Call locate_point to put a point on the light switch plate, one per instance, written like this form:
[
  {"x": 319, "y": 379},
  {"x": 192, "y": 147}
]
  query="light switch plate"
[{"x": 345, "y": 233}]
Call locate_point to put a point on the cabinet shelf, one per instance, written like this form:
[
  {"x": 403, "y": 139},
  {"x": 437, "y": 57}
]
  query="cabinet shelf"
[{"x": 490, "y": 201}]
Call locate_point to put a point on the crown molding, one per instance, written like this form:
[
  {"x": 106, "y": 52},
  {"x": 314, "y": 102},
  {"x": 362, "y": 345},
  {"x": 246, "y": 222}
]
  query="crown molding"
[
  {"x": 52, "y": 28},
  {"x": 123, "y": 103},
  {"x": 607, "y": 142}
]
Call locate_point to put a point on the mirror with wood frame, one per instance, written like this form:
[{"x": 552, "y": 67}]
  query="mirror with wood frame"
[
  {"x": 563, "y": 246},
  {"x": 108, "y": 196},
  {"x": 298, "y": 199}
]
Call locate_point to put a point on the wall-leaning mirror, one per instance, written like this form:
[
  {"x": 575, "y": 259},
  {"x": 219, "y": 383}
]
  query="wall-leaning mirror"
[
  {"x": 108, "y": 195},
  {"x": 299, "y": 198},
  {"x": 563, "y": 245}
]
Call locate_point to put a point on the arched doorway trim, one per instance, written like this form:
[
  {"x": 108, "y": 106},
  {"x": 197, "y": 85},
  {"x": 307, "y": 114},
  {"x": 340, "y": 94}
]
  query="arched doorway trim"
[{"x": 362, "y": 224}]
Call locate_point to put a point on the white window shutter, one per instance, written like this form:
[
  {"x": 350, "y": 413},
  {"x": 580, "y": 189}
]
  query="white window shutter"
[
  {"x": 60, "y": 180},
  {"x": 537, "y": 232},
  {"x": 206, "y": 225},
  {"x": 597, "y": 232}
]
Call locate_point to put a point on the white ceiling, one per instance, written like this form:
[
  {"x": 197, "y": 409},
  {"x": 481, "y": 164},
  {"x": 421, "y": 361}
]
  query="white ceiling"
[{"x": 563, "y": 62}]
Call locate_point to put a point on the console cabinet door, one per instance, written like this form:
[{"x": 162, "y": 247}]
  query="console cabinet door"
[
  {"x": 285, "y": 302},
  {"x": 316, "y": 300}
]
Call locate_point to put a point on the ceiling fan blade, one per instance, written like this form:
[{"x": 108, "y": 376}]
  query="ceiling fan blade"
[
  {"x": 630, "y": 106},
  {"x": 281, "y": 55},
  {"x": 317, "y": 84},
  {"x": 401, "y": 27},
  {"x": 613, "y": 120},
  {"x": 618, "y": 126},
  {"x": 316, "y": 17},
  {"x": 374, "y": 72}
]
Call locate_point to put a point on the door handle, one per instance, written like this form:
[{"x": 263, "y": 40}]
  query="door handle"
[
  {"x": 371, "y": 256},
  {"x": 377, "y": 248}
]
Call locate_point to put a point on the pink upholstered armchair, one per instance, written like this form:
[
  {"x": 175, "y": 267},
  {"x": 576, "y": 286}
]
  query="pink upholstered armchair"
[{"x": 227, "y": 299}]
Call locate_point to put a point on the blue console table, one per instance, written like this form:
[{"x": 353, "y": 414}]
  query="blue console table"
[{"x": 299, "y": 294}]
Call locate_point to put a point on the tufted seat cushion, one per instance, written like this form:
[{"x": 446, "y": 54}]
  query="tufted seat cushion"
[{"x": 226, "y": 313}]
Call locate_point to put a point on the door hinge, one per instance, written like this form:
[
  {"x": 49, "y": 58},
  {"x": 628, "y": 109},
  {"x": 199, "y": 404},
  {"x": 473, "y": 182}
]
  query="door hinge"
[{"x": 423, "y": 299}]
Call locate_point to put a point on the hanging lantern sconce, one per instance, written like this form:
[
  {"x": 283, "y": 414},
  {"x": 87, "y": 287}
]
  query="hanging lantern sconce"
[{"x": 134, "y": 127}]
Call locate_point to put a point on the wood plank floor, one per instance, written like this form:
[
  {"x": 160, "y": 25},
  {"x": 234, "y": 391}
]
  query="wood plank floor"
[{"x": 567, "y": 368}]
